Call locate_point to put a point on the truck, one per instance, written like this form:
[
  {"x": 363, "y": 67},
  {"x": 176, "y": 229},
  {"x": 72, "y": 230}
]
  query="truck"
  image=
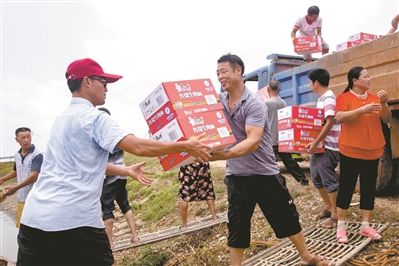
[{"x": 380, "y": 57}]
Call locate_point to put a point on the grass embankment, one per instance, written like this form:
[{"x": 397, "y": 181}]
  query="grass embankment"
[
  {"x": 152, "y": 203},
  {"x": 5, "y": 168}
]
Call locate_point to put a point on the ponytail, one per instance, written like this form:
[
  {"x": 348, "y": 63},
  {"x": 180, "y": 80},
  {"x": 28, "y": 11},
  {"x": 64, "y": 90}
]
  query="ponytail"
[{"x": 354, "y": 73}]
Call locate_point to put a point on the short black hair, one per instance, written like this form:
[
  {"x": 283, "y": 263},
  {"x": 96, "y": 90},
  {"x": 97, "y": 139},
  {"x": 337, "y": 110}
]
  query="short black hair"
[
  {"x": 274, "y": 85},
  {"x": 104, "y": 110},
  {"x": 73, "y": 85},
  {"x": 234, "y": 61},
  {"x": 321, "y": 75},
  {"x": 313, "y": 10},
  {"x": 21, "y": 129}
]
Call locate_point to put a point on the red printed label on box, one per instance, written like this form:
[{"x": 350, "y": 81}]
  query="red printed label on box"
[
  {"x": 181, "y": 94},
  {"x": 296, "y": 140},
  {"x": 344, "y": 45},
  {"x": 295, "y": 123},
  {"x": 167, "y": 113},
  {"x": 293, "y": 147},
  {"x": 307, "y": 44},
  {"x": 214, "y": 124},
  {"x": 361, "y": 36},
  {"x": 300, "y": 113}
]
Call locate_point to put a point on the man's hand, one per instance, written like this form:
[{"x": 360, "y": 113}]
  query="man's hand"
[
  {"x": 138, "y": 172},
  {"x": 197, "y": 149},
  {"x": 311, "y": 147},
  {"x": 9, "y": 190}
]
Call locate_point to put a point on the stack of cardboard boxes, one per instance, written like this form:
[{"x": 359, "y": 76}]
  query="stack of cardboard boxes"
[
  {"x": 297, "y": 127},
  {"x": 307, "y": 44},
  {"x": 177, "y": 110},
  {"x": 355, "y": 40}
]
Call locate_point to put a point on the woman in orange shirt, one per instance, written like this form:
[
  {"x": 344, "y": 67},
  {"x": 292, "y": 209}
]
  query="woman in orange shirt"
[{"x": 361, "y": 145}]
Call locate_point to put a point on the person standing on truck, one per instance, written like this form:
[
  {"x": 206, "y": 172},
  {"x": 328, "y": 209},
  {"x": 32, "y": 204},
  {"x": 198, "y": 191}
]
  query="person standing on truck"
[
  {"x": 310, "y": 25},
  {"x": 361, "y": 145},
  {"x": 273, "y": 104},
  {"x": 61, "y": 222},
  {"x": 322, "y": 165},
  {"x": 252, "y": 173},
  {"x": 28, "y": 161}
]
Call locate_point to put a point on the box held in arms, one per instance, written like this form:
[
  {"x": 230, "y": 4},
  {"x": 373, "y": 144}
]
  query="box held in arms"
[
  {"x": 307, "y": 44},
  {"x": 295, "y": 140},
  {"x": 299, "y": 117}
]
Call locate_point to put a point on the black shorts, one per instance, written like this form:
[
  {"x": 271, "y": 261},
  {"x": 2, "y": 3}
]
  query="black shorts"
[
  {"x": 114, "y": 191},
  {"x": 78, "y": 246},
  {"x": 277, "y": 205}
]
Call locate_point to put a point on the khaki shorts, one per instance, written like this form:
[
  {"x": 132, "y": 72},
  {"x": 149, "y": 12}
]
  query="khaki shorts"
[{"x": 20, "y": 208}]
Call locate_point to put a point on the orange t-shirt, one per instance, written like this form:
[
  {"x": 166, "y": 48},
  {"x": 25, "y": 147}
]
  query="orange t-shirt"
[{"x": 361, "y": 138}]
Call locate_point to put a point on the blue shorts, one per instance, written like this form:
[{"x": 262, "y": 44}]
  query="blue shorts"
[{"x": 322, "y": 170}]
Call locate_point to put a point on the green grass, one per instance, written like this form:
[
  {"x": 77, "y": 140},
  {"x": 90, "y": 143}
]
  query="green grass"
[
  {"x": 5, "y": 168},
  {"x": 152, "y": 203},
  {"x": 147, "y": 256}
]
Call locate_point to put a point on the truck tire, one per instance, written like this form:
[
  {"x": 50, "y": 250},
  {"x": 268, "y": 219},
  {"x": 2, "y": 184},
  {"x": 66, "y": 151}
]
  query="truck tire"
[
  {"x": 388, "y": 168},
  {"x": 384, "y": 173}
]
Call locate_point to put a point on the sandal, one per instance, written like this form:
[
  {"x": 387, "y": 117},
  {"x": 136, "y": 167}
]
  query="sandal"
[
  {"x": 330, "y": 223},
  {"x": 370, "y": 232},
  {"x": 324, "y": 214},
  {"x": 342, "y": 236},
  {"x": 317, "y": 261}
]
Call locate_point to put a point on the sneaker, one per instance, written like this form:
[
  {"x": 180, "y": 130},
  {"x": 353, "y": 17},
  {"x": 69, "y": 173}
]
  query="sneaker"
[
  {"x": 370, "y": 232},
  {"x": 342, "y": 237}
]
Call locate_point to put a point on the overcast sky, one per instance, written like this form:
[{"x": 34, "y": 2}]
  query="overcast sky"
[{"x": 147, "y": 42}]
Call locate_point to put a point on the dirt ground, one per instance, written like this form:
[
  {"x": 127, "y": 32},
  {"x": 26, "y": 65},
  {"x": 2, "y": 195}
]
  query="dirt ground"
[{"x": 209, "y": 246}]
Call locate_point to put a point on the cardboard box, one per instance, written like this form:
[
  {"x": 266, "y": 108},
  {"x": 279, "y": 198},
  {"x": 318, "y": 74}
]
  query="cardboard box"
[
  {"x": 344, "y": 45},
  {"x": 295, "y": 140},
  {"x": 214, "y": 124},
  {"x": 167, "y": 113},
  {"x": 307, "y": 44},
  {"x": 300, "y": 117},
  {"x": 361, "y": 36},
  {"x": 288, "y": 123},
  {"x": 181, "y": 94}
]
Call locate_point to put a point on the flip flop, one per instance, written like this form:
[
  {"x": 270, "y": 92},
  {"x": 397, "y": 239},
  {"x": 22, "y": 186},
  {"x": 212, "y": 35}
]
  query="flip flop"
[
  {"x": 317, "y": 261},
  {"x": 330, "y": 223}
]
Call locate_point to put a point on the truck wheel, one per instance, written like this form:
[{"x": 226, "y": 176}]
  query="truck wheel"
[{"x": 384, "y": 173}]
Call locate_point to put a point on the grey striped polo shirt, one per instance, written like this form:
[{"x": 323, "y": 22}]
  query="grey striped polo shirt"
[{"x": 250, "y": 111}]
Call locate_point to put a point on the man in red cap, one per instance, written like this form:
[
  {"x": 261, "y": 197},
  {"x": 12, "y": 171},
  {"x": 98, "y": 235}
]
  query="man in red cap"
[{"x": 62, "y": 220}]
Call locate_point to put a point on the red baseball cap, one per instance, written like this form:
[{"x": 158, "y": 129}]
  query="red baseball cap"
[{"x": 86, "y": 68}]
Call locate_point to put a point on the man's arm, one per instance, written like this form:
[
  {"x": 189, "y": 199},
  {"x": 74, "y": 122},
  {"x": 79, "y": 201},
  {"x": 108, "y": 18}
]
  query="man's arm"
[
  {"x": 136, "y": 171},
  {"x": 10, "y": 175},
  {"x": 250, "y": 144},
  {"x": 322, "y": 135},
  {"x": 28, "y": 180},
  {"x": 319, "y": 31},
  {"x": 293, "y": 32},
  {"x": 394, "y": 23},
  {"x": 153, "y": 148}
]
